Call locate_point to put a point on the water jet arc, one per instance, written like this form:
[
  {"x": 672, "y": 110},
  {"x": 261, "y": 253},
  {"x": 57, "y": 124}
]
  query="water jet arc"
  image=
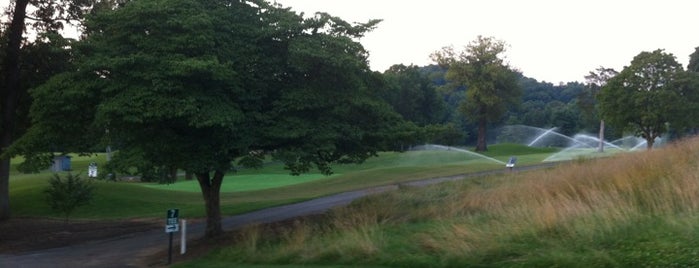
[{"x": 449, "y": 148}]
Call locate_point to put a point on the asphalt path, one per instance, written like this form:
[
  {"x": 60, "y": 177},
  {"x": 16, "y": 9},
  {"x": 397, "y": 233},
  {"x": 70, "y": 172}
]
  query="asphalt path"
[{"x": 131, "y": 250}]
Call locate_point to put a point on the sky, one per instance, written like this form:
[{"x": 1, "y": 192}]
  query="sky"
[{"x": 549, "y": 40}]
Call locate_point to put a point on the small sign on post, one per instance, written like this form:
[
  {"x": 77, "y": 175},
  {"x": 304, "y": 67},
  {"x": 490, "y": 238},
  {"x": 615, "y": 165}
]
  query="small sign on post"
[
  {"x": 172, "y": 222},
  {"x": 171, "y": 225}
]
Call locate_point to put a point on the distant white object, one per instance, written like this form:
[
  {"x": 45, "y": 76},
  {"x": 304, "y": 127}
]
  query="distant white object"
[
  {"x": 511, "y": 162},
  {"x": 92, "y": 170}
]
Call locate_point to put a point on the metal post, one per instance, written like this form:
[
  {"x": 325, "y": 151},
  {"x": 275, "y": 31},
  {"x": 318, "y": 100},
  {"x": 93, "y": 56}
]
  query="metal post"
[
  {"x": 183, "y": 239},
  {"x": 169, "y": 251}
]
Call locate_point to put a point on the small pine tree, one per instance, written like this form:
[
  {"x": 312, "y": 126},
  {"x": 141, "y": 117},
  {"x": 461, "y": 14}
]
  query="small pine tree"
[{"x": 66, "y": 195}]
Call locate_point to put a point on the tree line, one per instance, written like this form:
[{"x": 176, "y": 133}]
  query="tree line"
[{"x": 654, "y": 95}]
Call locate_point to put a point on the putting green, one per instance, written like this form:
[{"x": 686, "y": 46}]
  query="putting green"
[{"x": 243, "y": 183}]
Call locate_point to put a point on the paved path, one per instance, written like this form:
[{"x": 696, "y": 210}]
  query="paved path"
[{"x": 127, "y": 251}]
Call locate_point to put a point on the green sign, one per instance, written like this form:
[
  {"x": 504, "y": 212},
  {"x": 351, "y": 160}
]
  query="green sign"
[{"x": 172, "y": 223}]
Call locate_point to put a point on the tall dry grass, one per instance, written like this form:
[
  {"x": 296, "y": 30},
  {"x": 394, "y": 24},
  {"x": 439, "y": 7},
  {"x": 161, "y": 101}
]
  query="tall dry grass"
[{"x": 577, "y": 201}]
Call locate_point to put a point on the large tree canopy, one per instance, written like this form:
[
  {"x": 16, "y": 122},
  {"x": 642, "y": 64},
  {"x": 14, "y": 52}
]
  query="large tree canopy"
[
  {"x": 491, "y": 84},
  {"x": 197, "y": 84},
  {"x": 648, "y": 96}
]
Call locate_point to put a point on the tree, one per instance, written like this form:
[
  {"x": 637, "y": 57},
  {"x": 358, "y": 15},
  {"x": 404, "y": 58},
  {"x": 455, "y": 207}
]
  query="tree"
[
  {"x": 491, "y": 84},
  {"x": 647, "y": 96},
  {"x": 46, "y": 18},
  {"x": 9, "y": 96},
  {"x": 275, "y": 83},
  {"x": 689, "y": 90},
  {"x": 586, "y": 101},
  {"x": 693, "y": 65},
  {"x": 563, "y": 116},
  {"x": 533, "y": 113}
]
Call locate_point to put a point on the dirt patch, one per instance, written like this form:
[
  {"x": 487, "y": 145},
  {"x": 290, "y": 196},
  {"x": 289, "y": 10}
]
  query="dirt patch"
[{"x": 29, "y": 234}]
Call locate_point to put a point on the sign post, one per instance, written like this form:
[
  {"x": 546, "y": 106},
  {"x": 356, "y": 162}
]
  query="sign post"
[{"x": 171, "y": 225}]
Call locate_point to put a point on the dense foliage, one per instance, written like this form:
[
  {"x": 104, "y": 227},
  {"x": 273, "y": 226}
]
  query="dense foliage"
[
  {"x": 544, "y": 105},
  {"x": 413, "y": 95},
  {"x": 650, "y": 96},
  {"x": 693, "y": 65}
]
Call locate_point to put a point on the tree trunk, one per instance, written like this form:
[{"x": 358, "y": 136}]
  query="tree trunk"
[
  {"x": 481, "y": 145},
  {"x": 173, "y": 174},
  {"x": 4, "y": 189},
  {"x": 9, "y": 97},
  {"x": 188, "y": 176},
  {"x": 211, "y": 189},
  {"x": 601, "y": 137},
  {"x": 650, "y": 140},
  {"x": 649, "y": 135}
]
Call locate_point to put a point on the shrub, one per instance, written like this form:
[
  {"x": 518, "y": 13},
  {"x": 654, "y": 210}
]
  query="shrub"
[{"x": 66, "y": 195}]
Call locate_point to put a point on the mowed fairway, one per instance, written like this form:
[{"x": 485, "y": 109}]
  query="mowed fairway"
[
  {"x": 243, "y": 182},
  {"x": 251, "y": 189},
  {"x": 388, "y": 168}
]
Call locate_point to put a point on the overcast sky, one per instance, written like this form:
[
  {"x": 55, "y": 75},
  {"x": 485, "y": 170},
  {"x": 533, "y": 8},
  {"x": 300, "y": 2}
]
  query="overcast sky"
[{"x": 550, "y": 40}]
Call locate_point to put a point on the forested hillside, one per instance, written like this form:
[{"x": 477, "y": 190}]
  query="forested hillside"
[{"x": 430, "y": 100}]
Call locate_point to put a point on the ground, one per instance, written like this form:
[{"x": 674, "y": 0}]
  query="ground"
[
  {"x": 19, "y": 235},
  {"x": 30, "y": 234}
]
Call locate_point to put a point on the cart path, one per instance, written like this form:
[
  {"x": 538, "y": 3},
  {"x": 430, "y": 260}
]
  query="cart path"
[{"x": 130, "y": 250}]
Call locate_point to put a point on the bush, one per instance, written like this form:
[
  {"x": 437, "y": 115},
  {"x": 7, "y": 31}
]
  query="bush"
[{"x": 66, "y": 195}]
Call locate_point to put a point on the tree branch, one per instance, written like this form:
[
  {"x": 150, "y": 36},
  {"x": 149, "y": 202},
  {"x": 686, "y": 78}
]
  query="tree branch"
[{"x": 31, "y": 18}]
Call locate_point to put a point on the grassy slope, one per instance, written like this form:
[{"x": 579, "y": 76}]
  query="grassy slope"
[
  {"x": 634, "y": 210},
  {"x": 133, "y": 200}
]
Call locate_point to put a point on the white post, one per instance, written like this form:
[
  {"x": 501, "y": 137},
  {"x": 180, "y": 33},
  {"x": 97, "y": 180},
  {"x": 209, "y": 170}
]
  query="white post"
[{"x": 183, "y": 239}]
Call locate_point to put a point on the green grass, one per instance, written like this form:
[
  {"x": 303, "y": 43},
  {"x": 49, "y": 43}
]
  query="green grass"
[
  {"x": 111, "y": 200},
  {"x": 386, "y": 169},
  {"x": 219, "y": 264},
  {"x": 243, "y": 182},
  {"x": 511, "y": 149},
  {"x": 248, "y": 189}
]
